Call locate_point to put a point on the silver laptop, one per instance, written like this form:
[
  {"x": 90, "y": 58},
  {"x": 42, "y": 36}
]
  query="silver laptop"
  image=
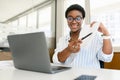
[{"x": 30, "y": 52}]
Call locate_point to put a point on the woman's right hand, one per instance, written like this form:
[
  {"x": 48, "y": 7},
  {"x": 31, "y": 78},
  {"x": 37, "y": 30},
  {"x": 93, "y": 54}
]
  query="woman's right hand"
[{"x": 74, "y": 46}]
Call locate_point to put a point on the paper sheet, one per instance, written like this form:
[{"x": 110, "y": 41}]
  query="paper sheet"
[{"x": 86, "y": 30}]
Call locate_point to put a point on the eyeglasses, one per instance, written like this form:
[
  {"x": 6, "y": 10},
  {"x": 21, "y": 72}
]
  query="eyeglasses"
[{"x": 71, "y": 19}]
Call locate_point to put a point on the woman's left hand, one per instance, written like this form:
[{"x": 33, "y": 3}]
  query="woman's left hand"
[{"x": 103, "y": 29}]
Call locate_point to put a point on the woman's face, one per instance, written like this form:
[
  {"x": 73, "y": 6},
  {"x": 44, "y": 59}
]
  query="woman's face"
[{"x": 75, "y": 20}]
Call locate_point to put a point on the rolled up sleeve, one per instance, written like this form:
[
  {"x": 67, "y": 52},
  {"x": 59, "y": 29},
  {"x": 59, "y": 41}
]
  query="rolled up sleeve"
[
  {"x": 55, "y": 58},
  {"x": 62, "y": 44},
  {"x": 105, "y": 57}
]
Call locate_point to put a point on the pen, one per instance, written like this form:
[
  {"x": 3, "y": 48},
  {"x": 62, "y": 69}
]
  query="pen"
[{"x": 86, "y": 36}]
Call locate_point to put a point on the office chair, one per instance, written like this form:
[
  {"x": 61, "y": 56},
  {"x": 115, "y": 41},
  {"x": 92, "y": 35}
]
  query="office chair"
[{"x": 101, "y": 64}]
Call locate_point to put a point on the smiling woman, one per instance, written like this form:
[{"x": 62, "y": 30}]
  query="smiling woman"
[{"x": 69, "y": 50}]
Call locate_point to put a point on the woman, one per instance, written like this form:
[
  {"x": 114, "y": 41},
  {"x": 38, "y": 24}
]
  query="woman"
[{"x": 69, "y": 50}]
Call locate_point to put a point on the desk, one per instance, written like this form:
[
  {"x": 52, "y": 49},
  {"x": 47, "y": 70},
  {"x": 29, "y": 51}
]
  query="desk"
[{"x": 10, "y": 73}]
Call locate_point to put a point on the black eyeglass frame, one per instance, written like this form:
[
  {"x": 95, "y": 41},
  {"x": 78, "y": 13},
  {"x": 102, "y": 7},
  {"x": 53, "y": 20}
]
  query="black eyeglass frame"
[{"x": 78, "y": 17}]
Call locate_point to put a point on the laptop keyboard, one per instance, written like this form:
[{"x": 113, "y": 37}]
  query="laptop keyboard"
[{"x": 59, "y": 68}]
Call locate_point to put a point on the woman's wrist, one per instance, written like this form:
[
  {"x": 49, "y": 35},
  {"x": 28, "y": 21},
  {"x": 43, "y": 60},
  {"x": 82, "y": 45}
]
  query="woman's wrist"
[
  {"x": 68, "y": 50},
  {"x": 106, "y": 36}
]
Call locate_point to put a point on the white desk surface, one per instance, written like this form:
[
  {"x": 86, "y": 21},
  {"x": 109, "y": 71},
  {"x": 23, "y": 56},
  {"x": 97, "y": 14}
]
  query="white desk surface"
[{"x": 8, "y": 72}]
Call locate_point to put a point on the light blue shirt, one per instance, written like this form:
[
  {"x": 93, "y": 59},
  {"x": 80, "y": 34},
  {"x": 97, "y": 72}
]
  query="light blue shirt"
[{"x": 87, "y": 57}]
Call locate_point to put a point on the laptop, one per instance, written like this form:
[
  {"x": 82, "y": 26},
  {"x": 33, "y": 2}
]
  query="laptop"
[{"x": 30, "y": 52}]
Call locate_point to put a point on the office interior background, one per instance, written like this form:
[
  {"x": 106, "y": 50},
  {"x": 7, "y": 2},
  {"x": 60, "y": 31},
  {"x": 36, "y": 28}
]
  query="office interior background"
[{"x": 25, "y": 16}]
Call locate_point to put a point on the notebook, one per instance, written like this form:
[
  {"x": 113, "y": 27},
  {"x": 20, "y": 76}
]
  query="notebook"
[{"x": 30, "y": 52}]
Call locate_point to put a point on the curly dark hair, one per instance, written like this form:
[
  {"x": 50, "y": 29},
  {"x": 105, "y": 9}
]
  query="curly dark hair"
[{"x": 75, "y": 7}]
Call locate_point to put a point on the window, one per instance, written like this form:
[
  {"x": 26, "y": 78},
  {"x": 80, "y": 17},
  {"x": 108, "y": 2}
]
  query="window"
[
  {"x": 15, "y": 23},
  {"x": 41, "y": 18},
  {"x": 32, "y": 18},
  {"x": 45, "y": 20},
  {"x": 22, "y": 21}
]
